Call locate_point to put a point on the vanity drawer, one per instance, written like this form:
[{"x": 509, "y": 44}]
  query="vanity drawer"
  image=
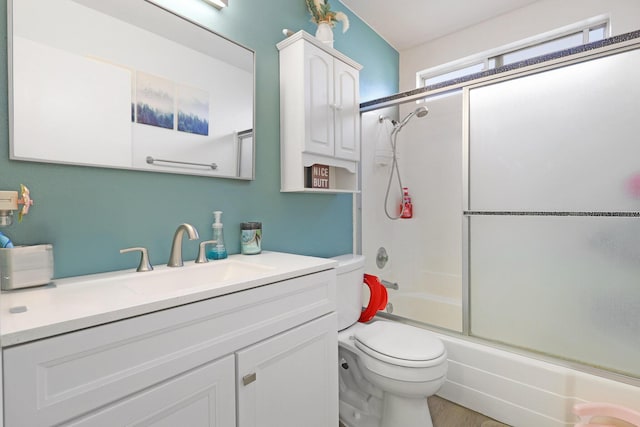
[{"x": 59, "y": 378}]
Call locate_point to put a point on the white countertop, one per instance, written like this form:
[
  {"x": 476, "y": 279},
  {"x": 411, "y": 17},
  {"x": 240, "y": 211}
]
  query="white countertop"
[{"x": 80, "y": 302}]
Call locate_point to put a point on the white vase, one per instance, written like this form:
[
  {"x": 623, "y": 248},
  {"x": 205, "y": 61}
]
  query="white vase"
[{"x": 324, "y": 33}]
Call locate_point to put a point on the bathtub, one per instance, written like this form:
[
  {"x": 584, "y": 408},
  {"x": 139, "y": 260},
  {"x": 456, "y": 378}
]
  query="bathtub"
[
  {"x": 426, "y": 308},
  {"x": 521, "y": 390}
]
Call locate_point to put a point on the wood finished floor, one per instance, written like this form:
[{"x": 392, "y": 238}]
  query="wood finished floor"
[{"x": 448, "y": 414}]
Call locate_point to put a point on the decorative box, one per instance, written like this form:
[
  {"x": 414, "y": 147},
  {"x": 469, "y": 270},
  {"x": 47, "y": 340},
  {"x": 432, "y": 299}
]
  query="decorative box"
[{"x": 25, "y": 266}]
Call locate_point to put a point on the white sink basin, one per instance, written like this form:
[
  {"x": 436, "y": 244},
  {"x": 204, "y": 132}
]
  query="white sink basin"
[
  {"x": 80, "y": 302},
  {"x": 190, "y": 276}
]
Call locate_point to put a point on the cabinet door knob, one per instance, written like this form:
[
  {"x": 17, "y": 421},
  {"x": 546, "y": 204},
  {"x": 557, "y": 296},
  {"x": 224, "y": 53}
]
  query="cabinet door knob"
[{"x": 248, "y": 379}]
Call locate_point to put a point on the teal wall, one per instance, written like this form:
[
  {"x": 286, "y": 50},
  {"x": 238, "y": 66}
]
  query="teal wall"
[{"x": 88, "y": 214}]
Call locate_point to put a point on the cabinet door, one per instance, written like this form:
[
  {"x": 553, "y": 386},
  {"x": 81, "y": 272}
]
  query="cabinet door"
[
  {"x": 347, "y": 112},
  {"x": 203, "y": 397},
  {"x": 291, "y": 379},
  {"x": 319, "y": 101}
]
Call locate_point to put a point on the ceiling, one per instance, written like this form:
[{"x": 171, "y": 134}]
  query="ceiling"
[{"x": 407, "y": 23}]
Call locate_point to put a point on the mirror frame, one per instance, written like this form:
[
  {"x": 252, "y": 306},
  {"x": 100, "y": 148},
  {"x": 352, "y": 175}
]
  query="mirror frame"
[{"x": 144, "y": 14}]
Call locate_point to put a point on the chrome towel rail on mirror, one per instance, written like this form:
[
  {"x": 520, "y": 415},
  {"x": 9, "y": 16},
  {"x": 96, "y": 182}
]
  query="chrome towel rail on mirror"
[{"x": 151, "y": 161}]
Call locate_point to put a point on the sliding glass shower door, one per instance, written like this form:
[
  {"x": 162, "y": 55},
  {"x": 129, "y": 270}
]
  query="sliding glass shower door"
[{"x": 553, "y": 212}]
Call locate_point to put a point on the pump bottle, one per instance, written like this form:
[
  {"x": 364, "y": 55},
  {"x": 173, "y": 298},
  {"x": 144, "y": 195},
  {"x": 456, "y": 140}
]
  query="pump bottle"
[
  {"x": 407, "y": 207},
  {"x": 217, "y": 250}
]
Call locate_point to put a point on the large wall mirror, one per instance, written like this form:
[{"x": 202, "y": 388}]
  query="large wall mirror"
[{"x": 128, "y": 84}]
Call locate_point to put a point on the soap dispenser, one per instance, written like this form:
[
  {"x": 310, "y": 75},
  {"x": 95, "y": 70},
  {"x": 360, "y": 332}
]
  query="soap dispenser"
[{"x": 217, "y": 250}]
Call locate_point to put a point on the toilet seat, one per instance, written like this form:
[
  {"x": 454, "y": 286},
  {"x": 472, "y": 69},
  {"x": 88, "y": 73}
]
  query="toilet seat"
[{"x": 399, "y": 344}]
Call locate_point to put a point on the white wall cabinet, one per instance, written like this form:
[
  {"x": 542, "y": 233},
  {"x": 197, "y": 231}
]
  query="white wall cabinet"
[
  {"x": 330, "y": 98},
  {"x": 178, "y": 366},
  {"x": 319, "y": 114}
]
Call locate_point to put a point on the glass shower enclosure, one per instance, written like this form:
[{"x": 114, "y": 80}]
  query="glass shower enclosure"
[{"x": 526, "y": 193}]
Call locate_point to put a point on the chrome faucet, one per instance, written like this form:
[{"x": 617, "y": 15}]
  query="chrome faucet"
[{"x": 175, "y": 259}]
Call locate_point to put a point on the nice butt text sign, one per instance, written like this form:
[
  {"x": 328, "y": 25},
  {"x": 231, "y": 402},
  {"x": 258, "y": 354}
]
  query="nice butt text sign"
[{"x": 319, "y": 176}]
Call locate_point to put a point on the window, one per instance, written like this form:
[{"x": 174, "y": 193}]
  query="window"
[
  {"x": 454, "y": 74},
  {"x": 543, "y": 45}
]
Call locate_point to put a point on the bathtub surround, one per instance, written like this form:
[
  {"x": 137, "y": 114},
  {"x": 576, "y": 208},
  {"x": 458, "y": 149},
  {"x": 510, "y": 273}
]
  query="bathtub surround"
[
  {"x": 424, "y": 252},
  {"x": 80, "y": 207}
]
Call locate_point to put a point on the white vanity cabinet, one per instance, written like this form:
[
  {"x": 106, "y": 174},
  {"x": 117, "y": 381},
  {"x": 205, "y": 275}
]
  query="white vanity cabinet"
[
  {"x": 284, "y": 380},
  {"x": 319, "y": 114},
  {"x": 263, "y": 356}
]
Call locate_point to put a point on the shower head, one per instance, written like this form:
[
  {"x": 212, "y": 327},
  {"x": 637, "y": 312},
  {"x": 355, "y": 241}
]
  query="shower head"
[{"x": 420, "y": 112}]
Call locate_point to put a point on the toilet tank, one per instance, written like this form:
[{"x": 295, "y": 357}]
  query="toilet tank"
[{"x": 350, "y": 275}]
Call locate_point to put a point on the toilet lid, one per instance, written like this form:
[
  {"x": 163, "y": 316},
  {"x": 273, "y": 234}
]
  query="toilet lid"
[{"x": 399, "y": 342}]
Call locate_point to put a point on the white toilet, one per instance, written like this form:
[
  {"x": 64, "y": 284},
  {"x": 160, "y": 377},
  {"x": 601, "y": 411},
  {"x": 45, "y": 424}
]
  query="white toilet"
[{"x": 387, "y": 368}]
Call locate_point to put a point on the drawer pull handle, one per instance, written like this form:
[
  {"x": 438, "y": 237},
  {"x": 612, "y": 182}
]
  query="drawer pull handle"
[{"x": 248, "y": 379}]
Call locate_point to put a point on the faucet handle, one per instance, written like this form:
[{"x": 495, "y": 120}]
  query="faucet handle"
[
  {"x": 144, "y": 265},
  {"x": 201, "y": 253}
]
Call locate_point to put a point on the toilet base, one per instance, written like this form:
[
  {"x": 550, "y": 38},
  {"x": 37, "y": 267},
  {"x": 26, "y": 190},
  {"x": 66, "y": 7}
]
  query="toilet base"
[
  {"x": 360, "y": 402},
  {"x": 351, "y": 416},
  {"x": 396, "y": 411},
  {"x": 406, "y": 412}
]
